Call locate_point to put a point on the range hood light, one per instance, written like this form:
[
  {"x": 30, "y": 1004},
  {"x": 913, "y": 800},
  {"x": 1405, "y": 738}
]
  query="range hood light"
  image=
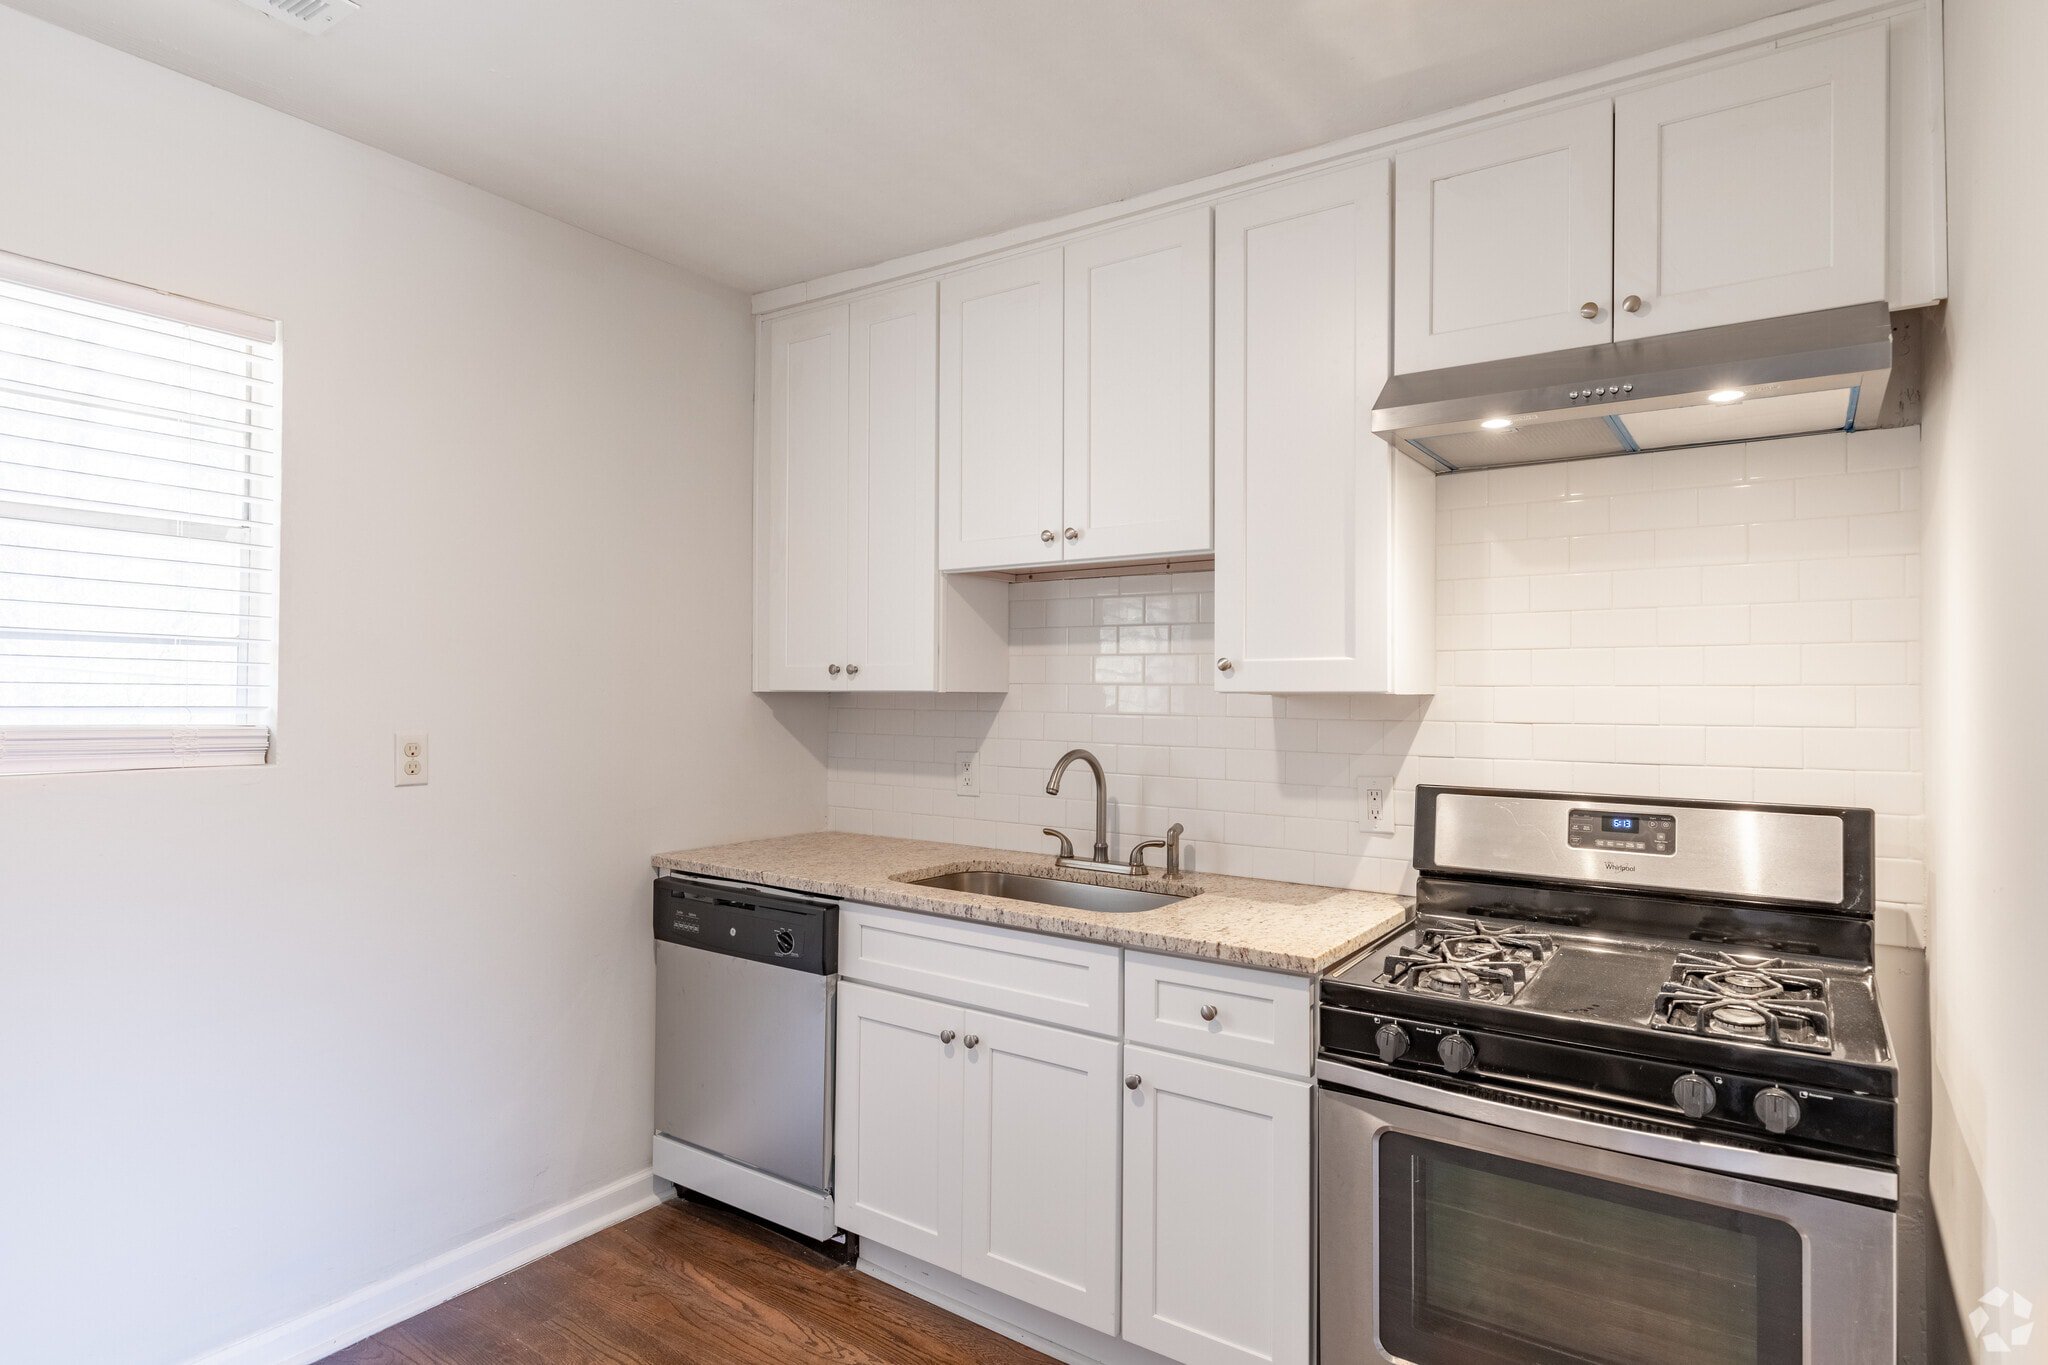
[{"x": 1740, "y": 381}]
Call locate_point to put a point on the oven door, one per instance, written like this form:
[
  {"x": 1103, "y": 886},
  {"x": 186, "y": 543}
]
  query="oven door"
[{"x": 1449, "y": 1239}]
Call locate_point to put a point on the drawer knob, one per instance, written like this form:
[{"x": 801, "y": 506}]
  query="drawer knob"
[
  {"x": 1046, "y": 536},
  {"x": 833, "y": 669},
  {"x": 1632, "y": 304},
  {"x": 1133, "y": 1081},
  {"x": 947, "y": 1035},
  {"x": 972, "y": 1040},
  {"x": 1208, "y": 1013},
  {"x": 1223, "y": 665},
  {"x": 1073, "y": 534},
  {"x": 1589, "y": 310}
]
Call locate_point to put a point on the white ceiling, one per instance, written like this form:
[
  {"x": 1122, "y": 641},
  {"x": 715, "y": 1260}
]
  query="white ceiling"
[{"x": 763, "y": 142}]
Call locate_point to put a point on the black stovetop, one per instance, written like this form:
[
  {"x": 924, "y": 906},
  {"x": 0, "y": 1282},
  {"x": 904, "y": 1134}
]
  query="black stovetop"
[{"x": 1603, "y": 989}]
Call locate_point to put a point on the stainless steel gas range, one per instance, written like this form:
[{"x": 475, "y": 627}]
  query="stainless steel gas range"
[{"x": 1619, "y": 1093}]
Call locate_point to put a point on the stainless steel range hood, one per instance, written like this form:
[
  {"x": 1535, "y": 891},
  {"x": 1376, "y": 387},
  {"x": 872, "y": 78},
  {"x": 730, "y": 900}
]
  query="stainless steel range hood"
[{"x": 1780, "y": 377}]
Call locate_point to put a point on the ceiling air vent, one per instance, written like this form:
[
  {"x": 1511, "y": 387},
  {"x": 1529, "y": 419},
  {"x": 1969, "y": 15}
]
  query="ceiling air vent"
[{"x": 312, "y": 16}]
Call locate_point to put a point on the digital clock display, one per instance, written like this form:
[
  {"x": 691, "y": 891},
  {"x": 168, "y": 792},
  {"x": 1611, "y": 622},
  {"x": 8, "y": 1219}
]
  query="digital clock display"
[{"x": 1611, "y": 830}]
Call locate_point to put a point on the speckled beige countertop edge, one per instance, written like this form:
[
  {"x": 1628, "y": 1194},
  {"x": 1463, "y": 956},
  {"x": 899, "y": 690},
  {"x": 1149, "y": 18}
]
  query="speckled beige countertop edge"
[{"x": 1287, "y": 927}]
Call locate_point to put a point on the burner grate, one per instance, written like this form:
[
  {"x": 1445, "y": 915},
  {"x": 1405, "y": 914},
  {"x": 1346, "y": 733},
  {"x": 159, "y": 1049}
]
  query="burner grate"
[
  {"x": 1467, "y": 962},
  {"x": 1760, "y": 1000}
]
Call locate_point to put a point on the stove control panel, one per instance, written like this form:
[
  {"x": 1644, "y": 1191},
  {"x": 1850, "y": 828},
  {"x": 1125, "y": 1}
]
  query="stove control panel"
[{"x": 1624, "y": 832}]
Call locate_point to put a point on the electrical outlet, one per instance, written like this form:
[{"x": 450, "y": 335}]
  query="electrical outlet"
[
  {"x": 409, "y": 755},
  {"x": 1375, "y": 807},
  {"x": 967, "y": 772}
]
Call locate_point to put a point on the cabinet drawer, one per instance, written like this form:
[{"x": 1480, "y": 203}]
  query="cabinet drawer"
[
  {"x": 1056, "y": 980},
  {"x": 1261, "y": 1019}
]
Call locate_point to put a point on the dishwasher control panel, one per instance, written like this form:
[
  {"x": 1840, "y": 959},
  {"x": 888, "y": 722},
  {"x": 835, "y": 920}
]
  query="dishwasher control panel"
[{"x": 765, "y": 924}]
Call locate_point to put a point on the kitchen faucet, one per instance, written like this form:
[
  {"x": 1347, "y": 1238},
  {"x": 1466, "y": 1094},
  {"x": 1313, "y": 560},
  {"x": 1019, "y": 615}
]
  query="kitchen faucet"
[
  {"x": 1052, "y": 788},
  {"x": 1100, "y": 862}
]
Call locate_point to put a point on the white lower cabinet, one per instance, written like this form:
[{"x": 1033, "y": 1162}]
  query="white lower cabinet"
[
  {"x": 896, "y": 1147},
  {"x": 982, "y": 1144},
  {"x": 1216, "y": 1212},
  {"x": 1134, "y": 1191},
  {"x": 1038, "y": 1168}
]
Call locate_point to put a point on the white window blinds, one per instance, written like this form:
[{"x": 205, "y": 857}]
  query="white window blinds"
[{"x": 138, "y": 526}]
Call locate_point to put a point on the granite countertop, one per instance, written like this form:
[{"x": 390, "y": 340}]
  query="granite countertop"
[{"x": 1281, "y": 926}]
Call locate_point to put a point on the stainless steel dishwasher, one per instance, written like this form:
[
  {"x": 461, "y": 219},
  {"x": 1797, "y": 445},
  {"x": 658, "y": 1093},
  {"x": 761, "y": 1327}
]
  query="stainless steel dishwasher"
[{"x": 745, "y": 982}]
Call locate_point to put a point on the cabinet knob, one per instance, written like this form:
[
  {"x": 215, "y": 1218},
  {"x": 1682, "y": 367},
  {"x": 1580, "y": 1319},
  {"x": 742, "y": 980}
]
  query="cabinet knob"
[
  {"x": 1632, "y": 304},
  {"x": 1224, "y": 665},
  {"x": 1589, "y": 311},
  {"x": 1073, "y": 534},
  {"x": 1208, "y": 1013},
  {"x": 852, "y": 669},
  {"x": 1046, "y": 536},
  {"x": 972, "y": 1040},
  {"x": 1132, "y": 1082},
  {"x": 947, "y": 1035},
  {"x": 833, "y": 669}
]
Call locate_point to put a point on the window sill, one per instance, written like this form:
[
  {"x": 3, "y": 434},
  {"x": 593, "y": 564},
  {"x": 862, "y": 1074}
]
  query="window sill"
[{"x": 124, "y": 748}]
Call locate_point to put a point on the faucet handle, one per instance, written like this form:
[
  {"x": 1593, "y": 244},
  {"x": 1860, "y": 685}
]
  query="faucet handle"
[
  {"x": 1066, "y": 844},
  {"x": 1138, "y": 868}
]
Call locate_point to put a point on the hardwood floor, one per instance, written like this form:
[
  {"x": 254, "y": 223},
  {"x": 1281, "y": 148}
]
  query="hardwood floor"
[{"x": 685, "y": 1283}]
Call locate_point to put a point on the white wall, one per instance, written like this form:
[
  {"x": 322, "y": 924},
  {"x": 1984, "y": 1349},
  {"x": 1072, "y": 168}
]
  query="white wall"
[
  {"x": 1988, "y": 665},
  {"x": 1738, "y": 622},
  {"x": 269, "y": 1035}
]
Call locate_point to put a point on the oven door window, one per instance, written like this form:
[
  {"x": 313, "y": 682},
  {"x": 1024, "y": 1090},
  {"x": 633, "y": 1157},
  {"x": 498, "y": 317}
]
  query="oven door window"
[{"x": 1487, "y": 1259}]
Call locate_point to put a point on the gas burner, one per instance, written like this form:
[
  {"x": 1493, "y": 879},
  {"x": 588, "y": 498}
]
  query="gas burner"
[
  {"x": 1739, "y": 977},
  {"x": 1758, "y": 1000},
  {"x": 1466, "y": 962}
]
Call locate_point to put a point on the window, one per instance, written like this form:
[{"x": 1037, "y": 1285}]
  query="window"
[{"x": 138, "y": 526}]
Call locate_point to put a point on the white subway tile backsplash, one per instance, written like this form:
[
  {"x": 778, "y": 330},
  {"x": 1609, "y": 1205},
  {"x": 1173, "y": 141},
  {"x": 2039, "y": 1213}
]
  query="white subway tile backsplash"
[{"x": 1736, "y": 622}]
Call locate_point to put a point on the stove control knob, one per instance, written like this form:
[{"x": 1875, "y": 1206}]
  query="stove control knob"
[
  {"x": 1695, "y": 1096},
  {"x": 1777, "y": 1110},
  {"x": 1391, "y": 1041},
  {"x": 1455, "y": 1052}
]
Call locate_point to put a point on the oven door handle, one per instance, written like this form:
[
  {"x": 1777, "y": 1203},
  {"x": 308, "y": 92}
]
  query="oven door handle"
[{"x": 1805, "y": 1172}]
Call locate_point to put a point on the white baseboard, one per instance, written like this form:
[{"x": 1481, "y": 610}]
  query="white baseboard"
[
  {"x": 1047, "y": 1333},
  {"x": 371, "y": 1309}
]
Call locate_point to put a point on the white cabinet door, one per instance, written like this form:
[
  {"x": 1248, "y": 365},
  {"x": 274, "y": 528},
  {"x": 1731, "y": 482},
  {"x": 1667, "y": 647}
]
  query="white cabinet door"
[
  {"x": 896, "y": 1142},
  {"x": 1216, "y": 1213},
  {"x": 1323, "y": 532},
  {"x": 803, "y": 491},
  {"x": 1502, "y": 238},
  {"x": 1137, "y": 391},
  {"x": 1753, "y": 191},
  {"x": 892, "y": 448},
  {"x": 1039, "y": 1169},
  {"x": 1000, "y": 414}
]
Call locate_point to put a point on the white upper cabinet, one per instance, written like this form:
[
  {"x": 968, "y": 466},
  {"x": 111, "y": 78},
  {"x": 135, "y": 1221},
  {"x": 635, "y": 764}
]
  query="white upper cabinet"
[
  {"x": 1753, "y": 190},
  {"x": 1324, "y": 535},
  {"x": 1137, "y": 391},
  {"x": 1000, "y": 428},
  {"x": 1074, "y": 401},
  {"x": 850, "y": 593},
  {"x": 803, "y": 490},
  {"x": 1502, "y": 241}
]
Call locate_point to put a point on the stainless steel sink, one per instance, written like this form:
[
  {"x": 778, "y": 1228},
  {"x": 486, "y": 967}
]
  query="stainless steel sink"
[{"x": 1022, "y": 886}]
